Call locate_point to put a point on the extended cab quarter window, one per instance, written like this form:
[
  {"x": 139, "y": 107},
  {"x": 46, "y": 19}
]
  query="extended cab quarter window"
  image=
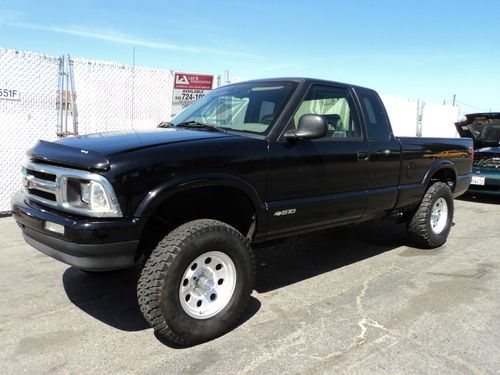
[
  {"x": 373, "y": 110},
  {"x": 336, "y": 106}
]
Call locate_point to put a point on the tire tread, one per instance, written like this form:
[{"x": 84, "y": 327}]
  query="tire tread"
[
  {"x": 150, "y": 285},
  {"x": 418, "y": 225}
]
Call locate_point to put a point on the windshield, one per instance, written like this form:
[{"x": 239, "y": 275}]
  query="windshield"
[{"x": 245, "y": 107}]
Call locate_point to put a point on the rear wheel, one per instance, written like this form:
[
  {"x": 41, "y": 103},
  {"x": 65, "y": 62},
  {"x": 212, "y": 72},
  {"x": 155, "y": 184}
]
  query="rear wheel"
[
  {"x": 197, "y": 282},
  {"x": 430, "y": 225}
]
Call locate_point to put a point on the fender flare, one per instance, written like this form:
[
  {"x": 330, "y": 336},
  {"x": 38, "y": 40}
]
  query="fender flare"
[
  {"x": 437, "y": 166},
  {"x": 162, "y": 192}
]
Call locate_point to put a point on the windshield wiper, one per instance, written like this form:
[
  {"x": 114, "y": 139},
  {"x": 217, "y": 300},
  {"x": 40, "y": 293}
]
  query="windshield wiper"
[
  {"x": 199, "y": 125},
  {"x": 165, "y": 124}
]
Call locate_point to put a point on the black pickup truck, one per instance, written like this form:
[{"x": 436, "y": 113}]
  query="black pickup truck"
[{"x": 247, "y": 163}]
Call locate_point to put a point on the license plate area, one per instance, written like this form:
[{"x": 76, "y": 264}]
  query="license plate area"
[{"x": 478, "y": 180}]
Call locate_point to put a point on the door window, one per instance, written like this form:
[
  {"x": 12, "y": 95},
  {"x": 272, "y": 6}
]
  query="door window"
[{"x": 336, "y": 106}]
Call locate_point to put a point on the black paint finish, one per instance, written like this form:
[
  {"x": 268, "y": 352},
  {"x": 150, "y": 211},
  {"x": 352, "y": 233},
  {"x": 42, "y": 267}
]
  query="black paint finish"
[{"x": 325, "y": 182}]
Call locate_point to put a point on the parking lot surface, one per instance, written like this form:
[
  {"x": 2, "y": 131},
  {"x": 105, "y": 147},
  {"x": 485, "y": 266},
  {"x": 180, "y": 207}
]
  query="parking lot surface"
[{"x": 356, "y": 301}]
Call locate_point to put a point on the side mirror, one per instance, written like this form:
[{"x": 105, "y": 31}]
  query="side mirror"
[{"x": 310, "y": 127}]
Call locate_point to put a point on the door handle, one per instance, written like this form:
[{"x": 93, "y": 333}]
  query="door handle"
[
  {"x": 383, "y": 152},
  {"x": 363, "y": 156}
]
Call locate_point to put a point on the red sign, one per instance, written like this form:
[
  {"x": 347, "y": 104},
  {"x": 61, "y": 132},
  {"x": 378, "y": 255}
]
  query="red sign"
[{"x": 193, "y": 81}]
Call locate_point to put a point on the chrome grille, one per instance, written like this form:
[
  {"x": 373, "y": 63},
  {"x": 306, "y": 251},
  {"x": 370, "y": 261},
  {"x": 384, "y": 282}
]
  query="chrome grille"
[
  {"x": 41, "y": 183},
  {"x": 53, "y": 186}
]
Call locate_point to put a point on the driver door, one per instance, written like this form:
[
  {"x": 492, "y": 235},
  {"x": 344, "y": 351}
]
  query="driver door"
[{"x": 320, "y": 182}]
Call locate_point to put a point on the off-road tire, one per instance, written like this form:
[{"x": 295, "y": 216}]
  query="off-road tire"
[
  {"x": 419, "y": 225},
  {"x": 158, "y": 286}
]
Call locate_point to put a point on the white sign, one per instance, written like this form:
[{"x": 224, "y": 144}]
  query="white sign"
[
  {"x": 9, "y": 94},
  {"x": 187, "y": 89}
]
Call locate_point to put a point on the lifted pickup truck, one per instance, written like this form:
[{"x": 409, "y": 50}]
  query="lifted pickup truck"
[{"x": 247, "y": 163}]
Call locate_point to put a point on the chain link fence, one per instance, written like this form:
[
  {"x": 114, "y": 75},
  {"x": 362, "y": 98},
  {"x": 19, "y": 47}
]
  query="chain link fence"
[
  {"x": 24, "y": 120},
  {"x": 112, "y": 96},
  {"x": 109, "y": 96},
  {"x": 120, "y": 97}
]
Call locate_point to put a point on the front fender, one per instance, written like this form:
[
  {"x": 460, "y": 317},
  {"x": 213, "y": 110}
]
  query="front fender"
[{"x": 165, "y": 190}]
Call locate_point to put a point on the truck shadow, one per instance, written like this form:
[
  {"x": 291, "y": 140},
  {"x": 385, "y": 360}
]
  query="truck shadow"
[
  {"x": 111, "y": 297},
  {"x": 314, "y": 254},
  {"x": 480, "y": 198}
]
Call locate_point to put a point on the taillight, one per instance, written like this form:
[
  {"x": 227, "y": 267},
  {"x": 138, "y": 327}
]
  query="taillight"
[{"x": 472, "y": 149}]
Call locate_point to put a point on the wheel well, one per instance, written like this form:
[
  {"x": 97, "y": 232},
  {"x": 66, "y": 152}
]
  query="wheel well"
[
  {"x": 227, "y": 204},
  {"x": 446, "y": 175}
]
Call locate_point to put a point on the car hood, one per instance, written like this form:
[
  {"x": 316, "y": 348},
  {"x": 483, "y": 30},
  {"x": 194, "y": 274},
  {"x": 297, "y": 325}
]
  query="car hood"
[
  {"x": 484, "y": 128},
  {"x": 93, "y": 150}
]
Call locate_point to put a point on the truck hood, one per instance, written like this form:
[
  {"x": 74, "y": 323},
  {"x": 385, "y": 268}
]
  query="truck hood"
[
  {"x": 484, "y": 128},
  {"x": 93, "y": 150}
]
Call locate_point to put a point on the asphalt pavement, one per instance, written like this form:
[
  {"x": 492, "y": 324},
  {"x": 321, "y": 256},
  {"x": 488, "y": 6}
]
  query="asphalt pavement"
[{"x": 353, "y": 301}]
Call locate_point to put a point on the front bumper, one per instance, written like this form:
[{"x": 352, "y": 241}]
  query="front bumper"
[{"x": 87, "y": 243}]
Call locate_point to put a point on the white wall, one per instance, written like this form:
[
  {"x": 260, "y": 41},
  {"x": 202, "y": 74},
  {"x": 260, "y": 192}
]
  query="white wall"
[
  {"x": 402, "y": 113},
  {"x": 439, "y": 120}
]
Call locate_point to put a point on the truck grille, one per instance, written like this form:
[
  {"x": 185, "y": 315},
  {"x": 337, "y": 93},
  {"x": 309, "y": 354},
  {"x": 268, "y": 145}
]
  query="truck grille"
[{"x": 41, "y": 183}]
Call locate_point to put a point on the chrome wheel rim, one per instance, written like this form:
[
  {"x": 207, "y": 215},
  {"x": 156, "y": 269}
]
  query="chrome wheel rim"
[
  {"x": 439, "y": 215},
  {"x": 207, "y": 285}
]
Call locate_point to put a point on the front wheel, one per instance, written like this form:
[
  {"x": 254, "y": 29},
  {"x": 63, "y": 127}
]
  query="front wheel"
[
  {"x": 196, "y": 282},
  {"x": 430, "y": 225}
]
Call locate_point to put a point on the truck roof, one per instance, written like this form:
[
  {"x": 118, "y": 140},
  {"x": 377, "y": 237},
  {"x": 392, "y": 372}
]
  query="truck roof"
[{"x": 302, "y": 80}]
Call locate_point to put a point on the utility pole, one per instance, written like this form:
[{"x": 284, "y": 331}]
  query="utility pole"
[
  {"x": 454, "y": 97},
  {"x": 420, "y": 113}
]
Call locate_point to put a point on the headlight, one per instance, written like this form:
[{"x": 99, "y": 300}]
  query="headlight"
[
  {"x": 94, "y": 195},
  {"x": 89, "y": 197},
  {"x": 80, "y": 192}
]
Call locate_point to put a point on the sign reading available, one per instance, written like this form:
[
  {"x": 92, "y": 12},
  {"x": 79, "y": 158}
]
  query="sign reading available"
[{"x": 189, "y": 88}]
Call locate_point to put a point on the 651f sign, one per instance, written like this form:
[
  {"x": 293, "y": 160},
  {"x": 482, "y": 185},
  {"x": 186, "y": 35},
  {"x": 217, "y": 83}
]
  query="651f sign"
[{"x": 9, "y": 94}]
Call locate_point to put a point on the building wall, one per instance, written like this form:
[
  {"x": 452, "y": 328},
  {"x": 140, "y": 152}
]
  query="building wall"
[{"x": 436, "y": 120}]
